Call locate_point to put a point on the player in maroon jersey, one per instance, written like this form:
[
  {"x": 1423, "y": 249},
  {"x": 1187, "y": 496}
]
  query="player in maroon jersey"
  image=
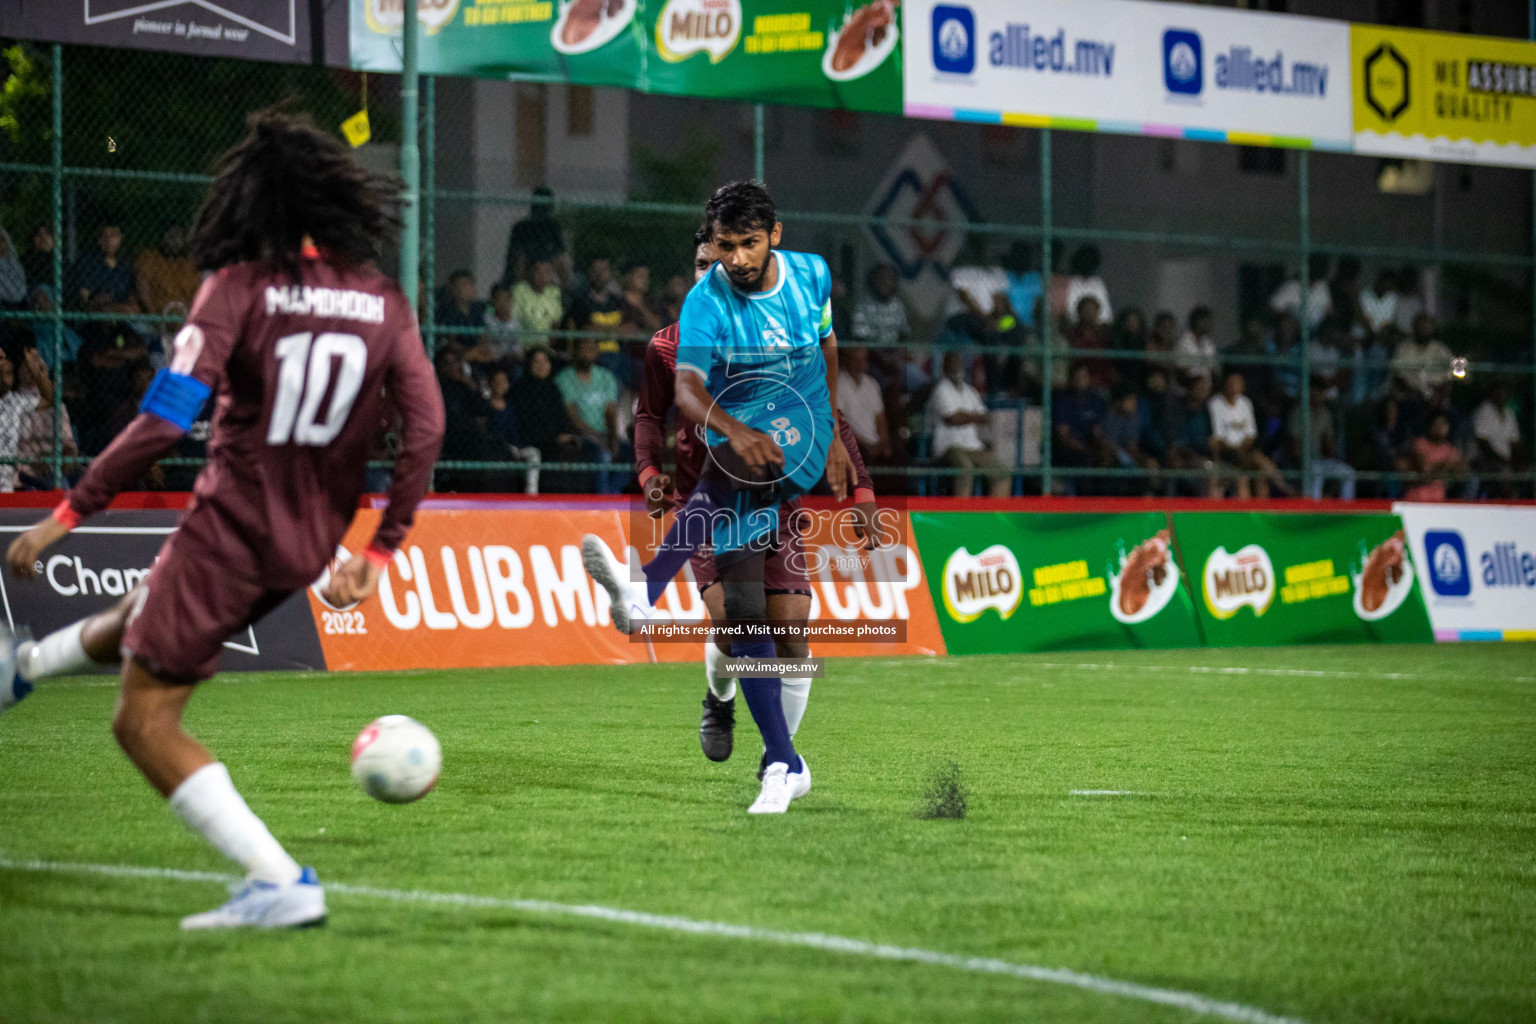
[
  {"x": 784, "y": 573},
  {"x": 307, "y": 348}
]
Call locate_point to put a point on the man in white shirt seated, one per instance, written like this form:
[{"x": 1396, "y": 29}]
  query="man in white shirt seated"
[
  {"x": 1497, "y": 430},
  {"x": 862, "y": 404},
  {"x": 1287, "y": 298},
  {"x": 957, "y": 410},
  {"x": 1085, "y": 282},
  {"x": 1195, "y": 354},
  {"x": 1422, "y": 362},
  {"x": 1233, "y": 433}
]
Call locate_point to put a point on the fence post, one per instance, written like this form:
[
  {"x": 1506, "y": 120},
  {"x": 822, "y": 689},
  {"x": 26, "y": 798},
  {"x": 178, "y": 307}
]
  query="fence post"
[
  {"x": 1304, "y": 199},
  {"x": 410, "y": 158},
  {"x": 429, "y": 207},
  {"x": 58, "y": 266},
  {"x": 757, "y": 142},
  {"x": 1043, "y": 327}
]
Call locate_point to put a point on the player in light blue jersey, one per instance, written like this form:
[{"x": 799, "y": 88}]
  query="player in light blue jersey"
[{"x": 757, "y": 367}]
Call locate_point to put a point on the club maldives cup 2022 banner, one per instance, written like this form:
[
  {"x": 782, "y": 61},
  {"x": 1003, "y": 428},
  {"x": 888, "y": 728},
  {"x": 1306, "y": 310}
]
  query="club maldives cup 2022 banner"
[
  {"x": 1274, "y": 578},
  {"x": 1008, "y": 582},
  {"x": 824, "y": 53}
]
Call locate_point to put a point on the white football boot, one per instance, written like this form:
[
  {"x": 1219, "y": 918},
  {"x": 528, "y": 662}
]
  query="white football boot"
[
  {"x": 628, "y": 601},
  {"x": 12, "y": 687},
  {"x": 258, "y": 904},
  {"x": 780, "y": 786}
]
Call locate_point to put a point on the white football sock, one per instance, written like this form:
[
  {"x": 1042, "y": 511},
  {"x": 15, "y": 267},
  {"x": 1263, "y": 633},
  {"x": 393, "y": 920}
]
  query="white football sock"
[
  {"x": 795, "y": 694},
  {"x": 60, "y": 653},
  {"x": 208, "y": 802},
  {"x": 723, "y": 689}
]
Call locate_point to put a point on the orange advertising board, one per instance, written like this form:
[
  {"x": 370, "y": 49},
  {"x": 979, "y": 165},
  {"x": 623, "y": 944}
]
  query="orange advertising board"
[{"x": 486, "y": 588}]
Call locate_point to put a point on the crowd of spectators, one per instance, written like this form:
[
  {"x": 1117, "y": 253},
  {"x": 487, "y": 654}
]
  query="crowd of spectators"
[{"x": 541, "y": 369}]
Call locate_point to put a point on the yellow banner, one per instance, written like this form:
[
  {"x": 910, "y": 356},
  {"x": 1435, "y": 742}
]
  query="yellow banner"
[{"x": 1434, "y": 95}]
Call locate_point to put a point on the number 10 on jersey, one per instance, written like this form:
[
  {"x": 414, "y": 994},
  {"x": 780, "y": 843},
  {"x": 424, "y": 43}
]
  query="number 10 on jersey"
[{"x": 308, "y": 363}]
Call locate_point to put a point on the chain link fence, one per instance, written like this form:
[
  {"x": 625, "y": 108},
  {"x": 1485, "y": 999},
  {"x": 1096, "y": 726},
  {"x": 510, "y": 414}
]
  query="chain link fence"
[{"x": 979, "y": 371}]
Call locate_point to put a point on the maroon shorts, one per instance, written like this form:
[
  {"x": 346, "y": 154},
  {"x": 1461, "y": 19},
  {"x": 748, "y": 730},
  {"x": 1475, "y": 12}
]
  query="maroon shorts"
[
  {"x": 783, "y": 570},
  {"x": 188, "y": 607}
]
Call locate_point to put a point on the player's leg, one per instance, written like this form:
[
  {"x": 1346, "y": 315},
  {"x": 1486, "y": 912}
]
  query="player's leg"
[
  {"x": 79, "y": 647},
  {"x": 746, "y": 601},
  {"x": 717, "y": 726},
  {"x": 172, "y": 641},
  {"x": 792, "y": 606}
]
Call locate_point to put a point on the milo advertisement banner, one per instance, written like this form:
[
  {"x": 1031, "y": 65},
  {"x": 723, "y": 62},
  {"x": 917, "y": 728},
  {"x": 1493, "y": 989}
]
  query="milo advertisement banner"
[
  {"x": 825, "y": 53},
  {"x": 1007, "y": 582},
  {"x": 1264, "y": 578}
]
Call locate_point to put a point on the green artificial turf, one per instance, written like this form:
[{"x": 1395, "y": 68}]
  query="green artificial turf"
[{"x": 1346, "y": 846}]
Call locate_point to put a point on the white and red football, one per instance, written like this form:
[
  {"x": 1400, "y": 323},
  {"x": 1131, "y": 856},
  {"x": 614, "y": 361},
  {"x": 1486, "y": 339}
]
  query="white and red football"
[{"x": 396, "y": 759}]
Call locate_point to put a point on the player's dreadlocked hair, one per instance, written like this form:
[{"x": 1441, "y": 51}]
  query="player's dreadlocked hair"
[
  {"x": 740, "y": 207},
  {"x": 284, "y": 180}
]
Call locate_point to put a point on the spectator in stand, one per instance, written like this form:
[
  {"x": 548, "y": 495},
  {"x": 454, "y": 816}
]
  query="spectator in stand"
[
  {"x": 880, "y": 318},
  {"x": 1088, "y": 334},
  {"x": 1163, "y": 340},
  {"x": 102, "y": 272},
  {"x": 1435, "y": 457},
  {"x": 1497, "y": 430},
  {"x": 34, "y": 436},
  {"x": 537, "y": 304},
  {"x": 862, "y": 404},
  {"x": 1422, "y": 362},
  {"x": 636, "y": 299},
  {"x": 1127, "y": 435},
  {"x": 598, "y": 308},
  {"x": 1287, "y": 298},
  {"x": 13, "y": 277},
  {"x": 1365, "y": 360},
  {"x": 535, "y": 239},
  {"x": 1026, "y": 288},
  {"x": 1323, "y": 356},
  {"x": 1255, "y": 341},
  {"x": 1130, "y": 335},
  {"x": 1077, "y": 426},
  {"x": 1410, "y": 299},
  {"x": 38, "y": 261},
  {"x": 110, "y": 354},
  {"x": 1287, "y": 346},
  {"x": 459, "y": 310},
  {"x": 14, "y": 408},
  {"x": 1085, "y": 281},
  {"x": 502, "y": 421},
  {"x": 1233, "y": 435},
  {"x": 1344, "y": 294},
  {"x": 1164, "y": 414},
  {"x": 499, "y": 344},
  {"x": 1195, "y": 354},
  {"x": 669, "y": 307},
  {"x": 466, "y": 414},
  {"x": 1378, "y": 303},
  {"x": 978, "y": 307},
  {"x": 1192, "y": 447},
  {"x": 842, "y": 311},
  {"x": 45, "y": 332},
  {"x": 591, "y": 395},
  {"x": 957, "y": 410},
  {"x": 1324, "y": 442},
  {"x": 542, "y": 420},
  {"x": 166, "y": 275}
]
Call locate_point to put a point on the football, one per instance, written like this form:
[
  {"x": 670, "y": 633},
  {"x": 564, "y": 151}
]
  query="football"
[{"x": 396, "y": 759}]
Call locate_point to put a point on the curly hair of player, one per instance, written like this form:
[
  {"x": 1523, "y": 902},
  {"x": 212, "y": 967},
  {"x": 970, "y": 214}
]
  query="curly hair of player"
[{"x": 286, "y": 181}]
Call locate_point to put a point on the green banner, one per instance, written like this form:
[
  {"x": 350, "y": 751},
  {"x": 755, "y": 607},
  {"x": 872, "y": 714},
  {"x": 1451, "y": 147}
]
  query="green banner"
[
  {"x": 1268, "y": 578},
  {"x": 1006, "y": 582},
  {"x": 824, "y": 53}
]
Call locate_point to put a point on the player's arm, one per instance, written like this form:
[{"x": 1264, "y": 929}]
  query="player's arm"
[
  {"x": 656, "y": 397},
  {"x": 864, "y": 488},
  {"x": 412, "y": 385},
  {"x": 840, "y": 474},
  {"x": 694, "y": 401},
  {"x": 170, "y": 405}
]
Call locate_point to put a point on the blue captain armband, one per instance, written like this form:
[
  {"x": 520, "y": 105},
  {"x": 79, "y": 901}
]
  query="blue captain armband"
[{"x": 176, "y": 398}]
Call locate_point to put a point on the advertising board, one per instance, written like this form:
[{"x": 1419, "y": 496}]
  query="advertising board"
[
  {"x": 1275, "y": 578},
  {"x": 1007, "y": 581},
  {"x": 1477, "y": 568}
]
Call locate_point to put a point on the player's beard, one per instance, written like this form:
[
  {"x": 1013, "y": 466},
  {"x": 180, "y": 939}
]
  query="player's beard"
[{"x": 754, "y": 283}]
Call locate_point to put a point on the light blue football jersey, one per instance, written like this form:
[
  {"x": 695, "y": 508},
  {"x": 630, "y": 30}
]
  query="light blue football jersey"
[{"x": 760, "y": 356}]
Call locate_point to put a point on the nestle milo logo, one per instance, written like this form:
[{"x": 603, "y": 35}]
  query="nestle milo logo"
[
  {"x": 687, "y": 27},
  {"x": 1243, "y": 577},
  {"x": 974, "y": 583}
]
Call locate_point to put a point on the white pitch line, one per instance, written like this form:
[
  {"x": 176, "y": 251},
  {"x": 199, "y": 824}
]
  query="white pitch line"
[
  {"x": 1110, "y": 792},
  {"x": 1242, "y": 670},
  {"x": 1190, "y": 1001}
]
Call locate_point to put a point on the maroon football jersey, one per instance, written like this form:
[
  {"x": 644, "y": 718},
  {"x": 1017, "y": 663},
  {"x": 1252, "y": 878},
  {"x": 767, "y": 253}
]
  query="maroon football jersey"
[
  {"x": 306, "y": 375},
  {"x": 657, "y": 394}
]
